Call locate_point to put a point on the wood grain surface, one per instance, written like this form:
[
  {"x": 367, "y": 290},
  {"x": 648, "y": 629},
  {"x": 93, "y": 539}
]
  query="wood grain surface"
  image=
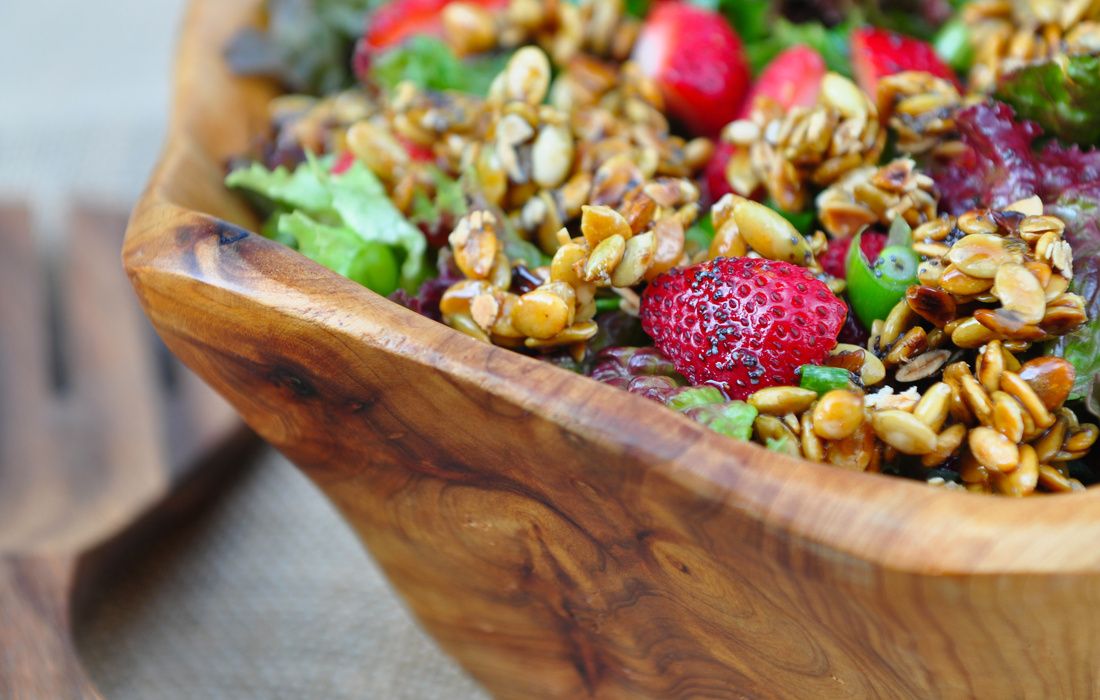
[
  {"x": 564, "y": 539},
  {"x": 98, "y": 444}
]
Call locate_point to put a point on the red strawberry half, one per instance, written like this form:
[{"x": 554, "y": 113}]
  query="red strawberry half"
[
  {"x": 697, "y": 60},
  {"x": 741, "y": 323},
  {"x": 879, "y": 52}
]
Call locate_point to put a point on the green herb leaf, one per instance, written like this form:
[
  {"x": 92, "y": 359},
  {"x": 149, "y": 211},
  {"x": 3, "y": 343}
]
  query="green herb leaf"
[
  {"x": 448, "y": 204},
  {"x": 1062, "y": 95},
  {"x": 430, "y": 64},
  {"x": 750, "y": 18}
]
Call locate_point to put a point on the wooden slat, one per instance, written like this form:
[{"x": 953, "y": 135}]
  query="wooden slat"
[
  {"x": 117, "y": 464},
  {"x": 24, "y": 382}
]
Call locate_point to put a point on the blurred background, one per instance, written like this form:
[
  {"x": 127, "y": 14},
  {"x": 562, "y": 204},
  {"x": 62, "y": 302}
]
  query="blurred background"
[{"x": 266, "y": 593}]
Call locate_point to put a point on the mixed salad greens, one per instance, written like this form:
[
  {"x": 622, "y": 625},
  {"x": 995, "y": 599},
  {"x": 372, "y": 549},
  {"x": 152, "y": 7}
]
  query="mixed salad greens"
[{"x": 817, "y": 224}]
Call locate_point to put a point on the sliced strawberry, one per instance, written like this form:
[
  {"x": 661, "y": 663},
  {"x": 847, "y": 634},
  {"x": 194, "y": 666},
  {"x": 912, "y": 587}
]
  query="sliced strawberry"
[
  {"x": 697, "y": 60},
  {"x": 879, "y": 52},
  {"x": 396, "y": 21},
  {"x": 741, "y": 323},
  {"x": 792, "y": 79},
  {"x": 834, "y": 258}
]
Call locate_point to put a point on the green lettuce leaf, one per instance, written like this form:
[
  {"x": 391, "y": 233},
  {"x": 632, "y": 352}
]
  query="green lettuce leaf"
[
  {"x": 353, "y": 201},
  {"x": 1062, "y": 95},
  {"x": 342, "y": 250},
  {"x": 430, "y": 64}
]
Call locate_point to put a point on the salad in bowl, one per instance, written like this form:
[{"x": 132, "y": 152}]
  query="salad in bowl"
[{"x": 864, "y": 234}]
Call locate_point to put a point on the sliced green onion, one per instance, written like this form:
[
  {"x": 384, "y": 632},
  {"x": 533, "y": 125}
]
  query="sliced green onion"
[{"x": 824, "y": 379}]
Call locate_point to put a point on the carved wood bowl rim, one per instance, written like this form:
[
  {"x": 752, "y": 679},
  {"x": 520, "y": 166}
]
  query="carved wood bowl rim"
[{"x": 991, "y": 535}]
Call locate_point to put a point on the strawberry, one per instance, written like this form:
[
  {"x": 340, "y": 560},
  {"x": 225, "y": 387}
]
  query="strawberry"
[
  {"x": 833, "y": 259},
  {"x": 697, "y": 60},
  {"x": 396, "y": 21},
  {"x": 877, "y": 53},
  {"x": 741, "y": 324},
  {"x": 792, "y": 79}
]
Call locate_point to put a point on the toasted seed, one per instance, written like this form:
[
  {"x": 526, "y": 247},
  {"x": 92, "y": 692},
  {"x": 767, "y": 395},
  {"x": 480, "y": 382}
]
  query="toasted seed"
[
  {"x": 993, "y": 450},
  {"x": 767, "y": 427},
  {"x": 947, "y": 443},
  {"x": 1055, "y": 287},
  {"x": 979, "y": 255},
  {"x": 855, "y": 452},
  {"x": 935, "y": 305},
  {"x": 780, "y": 400},
  {"x": 475, "y": 244},
  {"x": 976, "y": 399},
  {"x": 904, "y": 432},
  {"x": 1022, "y": 480},
  {"x": 1053, "y": 480},
  {"x": 908, "y": 346},
  {"x": 812, "y": 448},
  {"x": 934, "y": 406},
  {"x": 842, "y": 95},
  {"x": 527, "y": 76},
  {"x": 502, "y": 327},
  {"x": 577, "y": 333},
  {"x": 990, "y": 365},
  {"x": 957, "y": 282},
  {"x": 466, "y": 325},
  {"x": 563, "y": 268},
  {"x": 1008, "y": 416},
  {"x": 1051, "y": 377},
  {"x": 976, "y": 222},
  {"x": 468, "y": 28},
  {"x": 600, "y": 222},
  {"x": 1049, "y": 443},
  {"x": 637, "y": 258},
  {"x": 900, "y": 318},
  {"x": 923, "y": 366},
  {"x": 970, "y": 334},
  {"x": 552, "y": 155},
  {"x": 771, "y": 235},
  {"x": 727, "y": 242},
  {"x": 1020, "y": 292},
  {"x": 544, "y": 312},
  {"x": 669, "y": 232},
  {"x": 604, "y": 258},
  {"x": 838, "y": 414},
  {"x": 1013, "y": 384},
  {"x": 1082, "y": 440},
  {"x": 929, "y": 272}
]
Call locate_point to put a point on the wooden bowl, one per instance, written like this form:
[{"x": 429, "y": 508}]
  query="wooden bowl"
[{"x": 564, "y": 539}]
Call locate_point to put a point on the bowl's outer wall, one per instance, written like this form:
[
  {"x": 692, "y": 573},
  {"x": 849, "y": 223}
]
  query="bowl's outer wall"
[{"x": 561, "y": 539}]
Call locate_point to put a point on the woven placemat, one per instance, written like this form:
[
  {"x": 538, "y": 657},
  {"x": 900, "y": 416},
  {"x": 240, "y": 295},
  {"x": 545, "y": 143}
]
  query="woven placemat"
[{"x": 265, "y": 595}]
